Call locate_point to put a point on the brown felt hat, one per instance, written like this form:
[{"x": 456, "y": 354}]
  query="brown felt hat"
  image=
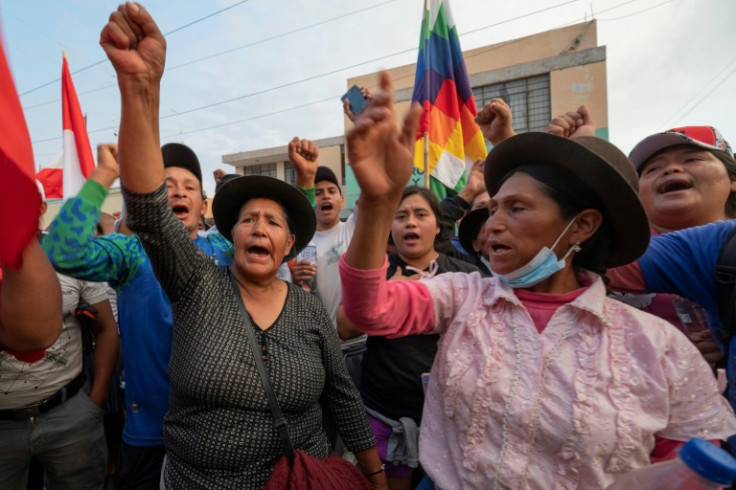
[
  {"x": 599, "y": 165},
  {"x": 230, "y": 198}
]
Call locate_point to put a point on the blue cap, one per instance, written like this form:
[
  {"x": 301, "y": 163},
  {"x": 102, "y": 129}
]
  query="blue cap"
[{"x": 709, "y": 461}]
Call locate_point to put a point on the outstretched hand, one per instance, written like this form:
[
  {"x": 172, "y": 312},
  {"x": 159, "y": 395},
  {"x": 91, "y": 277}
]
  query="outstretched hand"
[
  {"x": 107, "y": 169},
  {"x": 494, "y": 120},
  {"x": 572, "y": 124},
  {"x": 380, "y": 152},
  {"x": 346, "y": 103},
  {"x": 134, "y": 44}
]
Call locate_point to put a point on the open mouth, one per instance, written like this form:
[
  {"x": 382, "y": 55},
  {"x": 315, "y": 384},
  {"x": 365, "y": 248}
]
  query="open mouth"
[
  {"x": 258, "y": 251},
  {"x": 411, "y": 237},
  {"x": 326, "y": 206},
  {"x": 499, "y": 248},
  {"x": 180, "y": 210},
  {"x": 674, "y": 186}
]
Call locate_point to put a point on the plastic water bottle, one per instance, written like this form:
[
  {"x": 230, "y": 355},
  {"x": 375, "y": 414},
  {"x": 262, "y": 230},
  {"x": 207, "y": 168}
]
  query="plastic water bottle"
[
  {"x": 309, "y": 253},
  {"x": 699, "y": 465}
]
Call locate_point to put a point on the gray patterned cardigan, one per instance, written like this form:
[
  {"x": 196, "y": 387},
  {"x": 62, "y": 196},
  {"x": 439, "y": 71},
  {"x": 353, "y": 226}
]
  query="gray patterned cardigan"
[{"x": 219, "y": 430}]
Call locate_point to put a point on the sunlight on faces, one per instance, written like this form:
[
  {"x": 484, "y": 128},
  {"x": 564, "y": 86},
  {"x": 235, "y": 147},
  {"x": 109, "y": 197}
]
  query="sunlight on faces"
[
  {"x": 328, "y": 203},
  {"x": 523, "y": 219},
  {"x": 414, "y": 228},
  {"x": 185, "y": 197},
  {"x": 261, "y": 238},
  {"x": 684, "y": 186}
]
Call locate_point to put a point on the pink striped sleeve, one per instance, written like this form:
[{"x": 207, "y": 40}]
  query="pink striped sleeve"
[{"x": 378, "y": 307}]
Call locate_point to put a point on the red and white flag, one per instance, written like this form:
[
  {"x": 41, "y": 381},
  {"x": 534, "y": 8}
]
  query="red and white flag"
[
  {"x": 52, "y": 178},
  {"x": 67, "y": 173},
  {"x": 78, "y": 161},
  {"x": 20, "y": 202}
]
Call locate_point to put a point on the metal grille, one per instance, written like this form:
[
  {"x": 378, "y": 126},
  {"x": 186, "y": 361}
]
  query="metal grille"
[
  {"x": 528, "y": 99},
  {"x": 267, "y": 169},
  {"x": 289, "y": 174}
]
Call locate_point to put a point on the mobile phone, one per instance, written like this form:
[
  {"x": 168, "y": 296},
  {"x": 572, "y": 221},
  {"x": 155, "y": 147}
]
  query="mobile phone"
[{"x": 355, "y": 98}]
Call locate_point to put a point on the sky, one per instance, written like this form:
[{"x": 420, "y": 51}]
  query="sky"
[{"x": 244, "y": 75}]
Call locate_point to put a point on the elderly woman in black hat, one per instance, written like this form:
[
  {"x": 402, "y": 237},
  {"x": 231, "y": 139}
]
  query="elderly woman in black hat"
[
  {"x": 540, "y": 380},
  {"x": 220, "y": 429}
]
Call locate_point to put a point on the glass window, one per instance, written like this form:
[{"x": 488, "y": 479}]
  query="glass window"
[
  {"x": 289, "y": 174},
  {"x": 528, "y": 99},
  {"x": 267, "y": 169}
]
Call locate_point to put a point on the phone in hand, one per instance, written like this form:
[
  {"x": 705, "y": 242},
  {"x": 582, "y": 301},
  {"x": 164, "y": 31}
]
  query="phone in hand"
[{"x": 355, "y": 99}]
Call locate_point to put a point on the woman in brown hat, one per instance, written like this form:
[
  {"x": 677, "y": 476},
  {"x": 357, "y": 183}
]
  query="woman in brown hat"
[{"x": 540, "y": 380}]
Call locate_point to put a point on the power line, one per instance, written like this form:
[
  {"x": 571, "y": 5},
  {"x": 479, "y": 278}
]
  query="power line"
[
  {"x": 637, "y": 13},
  {"x": 295, "y": 82},
  {"x": 165, "y": 34},
  {"x": 231, "y": 50},
  {"x": 681, "y": 115}
]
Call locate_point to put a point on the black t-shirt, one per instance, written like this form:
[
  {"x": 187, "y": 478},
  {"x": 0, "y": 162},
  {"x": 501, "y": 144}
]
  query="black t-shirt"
[{"x": 391, "y": 370}]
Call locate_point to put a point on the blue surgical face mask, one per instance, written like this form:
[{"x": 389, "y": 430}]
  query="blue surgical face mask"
[{"x": 542, "y": 266}]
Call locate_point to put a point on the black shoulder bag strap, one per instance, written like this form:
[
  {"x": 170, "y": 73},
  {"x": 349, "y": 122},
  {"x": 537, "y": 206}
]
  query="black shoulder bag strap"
[
  {"x": 726, "y": 289},
  {"x": 280, "y": 421}
]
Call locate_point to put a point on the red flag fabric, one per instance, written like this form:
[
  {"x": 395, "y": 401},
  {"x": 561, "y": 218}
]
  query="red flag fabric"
[
  {"x": 20, "y": 202},
  {"x": 78, "y": 161},
  {"x": 51, "y": 178}
]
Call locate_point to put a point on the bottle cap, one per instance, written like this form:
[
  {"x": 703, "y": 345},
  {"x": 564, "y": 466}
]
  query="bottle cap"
[{"x": 709, "y": 461}]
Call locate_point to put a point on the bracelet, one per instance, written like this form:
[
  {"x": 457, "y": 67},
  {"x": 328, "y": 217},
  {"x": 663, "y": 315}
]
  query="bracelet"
[{"x": 379, "y": 470}]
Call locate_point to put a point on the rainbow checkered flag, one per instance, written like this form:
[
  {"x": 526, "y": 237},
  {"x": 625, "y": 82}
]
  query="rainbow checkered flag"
[{"x": 443, "y": 88}]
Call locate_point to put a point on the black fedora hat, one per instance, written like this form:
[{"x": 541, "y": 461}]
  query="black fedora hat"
[
  {"x": 470, "y": 226},
  {"x": 230, "y": 198},
  {"x": 599, "y": 165}
]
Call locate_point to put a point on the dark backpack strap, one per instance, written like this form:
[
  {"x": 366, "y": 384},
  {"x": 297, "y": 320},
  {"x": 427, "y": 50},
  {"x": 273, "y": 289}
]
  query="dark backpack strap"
[
  {"x": 726, "y": 289},
  {"x": 279, "y": 422}
]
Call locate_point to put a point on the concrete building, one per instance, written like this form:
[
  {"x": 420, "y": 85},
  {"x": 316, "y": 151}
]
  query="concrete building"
[{"x": 540, "y": 76}]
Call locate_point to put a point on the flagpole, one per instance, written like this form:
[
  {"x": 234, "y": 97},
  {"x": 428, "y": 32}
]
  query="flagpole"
[{"x": 427, "y": 92}]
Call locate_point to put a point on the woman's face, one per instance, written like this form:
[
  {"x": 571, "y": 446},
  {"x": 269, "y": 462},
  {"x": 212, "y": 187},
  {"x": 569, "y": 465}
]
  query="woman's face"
[
  {"x": 523, "y": 219},
  {"x": 261, "y": 238},
  {"x": 414, "y": 228},
  {"x": 684, "y": 186}
]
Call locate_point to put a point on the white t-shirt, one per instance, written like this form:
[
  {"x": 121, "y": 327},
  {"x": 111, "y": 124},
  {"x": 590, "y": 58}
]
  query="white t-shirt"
[
  {"x": 23, "y": 384},
  {"x": 331, "y": 244}
]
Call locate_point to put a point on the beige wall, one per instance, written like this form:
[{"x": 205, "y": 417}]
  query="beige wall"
[
  {"x": 114, "y": 202},
  {"x": 586, "y": 84}
]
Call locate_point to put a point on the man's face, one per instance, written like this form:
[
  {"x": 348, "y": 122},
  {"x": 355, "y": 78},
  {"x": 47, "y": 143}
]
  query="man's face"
[
  {"x": 329, "y": 202},
  {"x": 185, "y": 197}
]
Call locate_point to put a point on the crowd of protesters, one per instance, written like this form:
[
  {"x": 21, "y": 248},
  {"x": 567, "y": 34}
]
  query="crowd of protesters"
[{"x": 525, "y": 332}]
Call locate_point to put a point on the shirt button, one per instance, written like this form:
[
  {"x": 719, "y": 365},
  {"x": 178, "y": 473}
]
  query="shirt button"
[
  {"x": 263, "y": 357},
  {"x": 263, "y": 348}
]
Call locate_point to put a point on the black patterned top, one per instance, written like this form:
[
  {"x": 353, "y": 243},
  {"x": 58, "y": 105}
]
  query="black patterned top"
[{"x": 219, "y": 430}]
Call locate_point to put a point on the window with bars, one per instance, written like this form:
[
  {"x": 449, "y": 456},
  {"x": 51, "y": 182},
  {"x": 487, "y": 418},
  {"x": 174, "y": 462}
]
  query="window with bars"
[
  {"x": 528, "y": 99},
  {"x": 289, "y": 174},
  {"x": 267, "y": 169}
]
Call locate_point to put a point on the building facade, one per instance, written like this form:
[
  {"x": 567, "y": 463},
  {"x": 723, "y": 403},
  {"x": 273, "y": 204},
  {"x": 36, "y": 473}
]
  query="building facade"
[{"x": 539, "y": 76}]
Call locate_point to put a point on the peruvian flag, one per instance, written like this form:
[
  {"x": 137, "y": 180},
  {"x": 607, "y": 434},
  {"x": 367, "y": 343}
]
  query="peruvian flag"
[
  {"x": 78, "y": 163},
  {"x": 51, "y": 178},
  {"x": 20, "y": 202}
]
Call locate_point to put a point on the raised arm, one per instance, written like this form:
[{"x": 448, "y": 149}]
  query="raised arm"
[
  {"x": 137, "y": 49},
  {"x": 71, "y": 244},
  {"x": 494, "y": 120},
  {"x": 571, "y": 124},
  {"x": 381, "y": 155},
  {"x": 30, "y": 303}
]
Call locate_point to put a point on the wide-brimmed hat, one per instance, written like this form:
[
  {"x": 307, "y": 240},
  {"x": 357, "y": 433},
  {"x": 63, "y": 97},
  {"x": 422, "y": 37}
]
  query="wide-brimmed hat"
[
  {"x": 599, "y": 165},
  {"x": 230, "y": 198},
  {"x": 180, "y": 155},
  {"x": 705, "y": 137},
  {"x": 470, "y": 226}
]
